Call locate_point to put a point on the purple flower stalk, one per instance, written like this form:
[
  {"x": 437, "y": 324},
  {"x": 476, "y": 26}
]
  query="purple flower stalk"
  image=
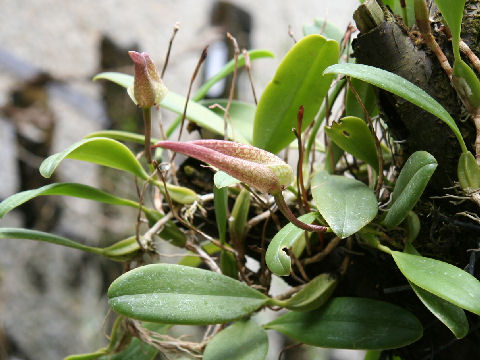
[
  {"x": 148, "y": 88},
  {"x": 255, "y": 167}
]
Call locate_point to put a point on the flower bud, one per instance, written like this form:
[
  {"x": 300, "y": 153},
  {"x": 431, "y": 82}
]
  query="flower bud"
[
  {"x": 148, "y": 88},
  {"x": 255, "y": 167}
]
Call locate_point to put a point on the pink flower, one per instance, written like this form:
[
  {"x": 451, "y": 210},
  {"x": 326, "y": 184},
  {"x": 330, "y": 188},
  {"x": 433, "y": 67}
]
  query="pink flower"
[
  {"x": 253, "y": 166},
  {"x": 148, "y": 88}
]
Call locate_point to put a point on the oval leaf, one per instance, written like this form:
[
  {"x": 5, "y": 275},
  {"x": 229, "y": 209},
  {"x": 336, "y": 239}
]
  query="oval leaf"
[
  {"x": 353, "y": 135},
  {"x": 298, "y": 81},
  {"x": 66, "y": 189},
  {"x": 452, "y": 316},
  {"x": 102, "y": 151},
  {"x": 347, "y": 205},
  {"x": 277, "y": 259},
  {"x": 314, "y": 294},
  {"x": 243, "y": 340},
  {"x": 176, "y": 294},
  {"x": 400, "y": 87},
  {"x": 410, "y": 185},
  {"x": 444, "y": 280},
  {"x": 351, "y": 323},
  {"x": 468, "y": 172}
]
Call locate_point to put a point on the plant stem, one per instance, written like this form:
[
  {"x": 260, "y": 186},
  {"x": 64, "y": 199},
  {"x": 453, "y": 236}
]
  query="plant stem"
[
  {"x": 283, "y": 207},
  {"x": 147, "y": 119}
]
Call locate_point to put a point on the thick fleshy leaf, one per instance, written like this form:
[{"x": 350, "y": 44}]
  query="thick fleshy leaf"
[
  {"x": 220, "y": 201},
  {"x": 176, "y": 294},
  {"x": 102, "y": 151},
  {"x": 346, "y": 204},
  {"x": 314, "y": 294},
  {"x": 452, "y": 316},
  {"x": 277, "y": 259},
  {"x": 298, "y": 81},
  {"x": 400, "y": 87},
  {"x": 66, "y": 189},
  {"x": 468, "y": 172},
  {"x": 240, "y": 116},
  {"x": 452, "y": 12},
  {"x": 243, "y": 340},
  {"x": 122, "y": 250},
  {"x": 410, "y": 185},
  {"x": 353, "y": 135},
  {"x": 351, "y": 323},
  {"x": 18, "y": 233},
  {"x": 442, "y": 279}
]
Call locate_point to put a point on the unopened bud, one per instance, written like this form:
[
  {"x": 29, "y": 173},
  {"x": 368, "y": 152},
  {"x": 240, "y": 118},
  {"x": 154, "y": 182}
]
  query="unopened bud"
[{"x": 148, "y": 88}]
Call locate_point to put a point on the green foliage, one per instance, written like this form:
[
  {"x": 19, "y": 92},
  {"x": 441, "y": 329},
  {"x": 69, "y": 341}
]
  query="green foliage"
[
  {"x": 243, "y": 340},
  {"x": 410, "y": 185},
  {"x": 298, "y": 81},
  {"x": 314, "y": 294},
  {"x": 400, "y": 87},
  {"x": 452, "y": 12},
  {"x": 442, "y": 279},
  {"x": 351, "y": 323},
  {"x": 277, "y": 259},
  {"x": 175, "y": 294},
  {"x": 347, "y": 205},
  {"x": 220, "y": 202},
  {"x": 468, "y": 172},
  {"x": 353, "y": 135}
]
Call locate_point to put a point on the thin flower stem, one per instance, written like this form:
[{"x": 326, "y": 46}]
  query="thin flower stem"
[
  {"x": 170, "y": 43},
  {"x": 147, "y": 119},
  {"x": 232, "y": 87},
  {"x": 283, "y": 207}
]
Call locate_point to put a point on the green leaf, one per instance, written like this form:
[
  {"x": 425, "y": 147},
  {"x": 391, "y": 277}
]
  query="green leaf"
[
  {"x": 220, "y": 201},
  {"x": 17, "y": 233},
  {"x": 366, "y": 92},
  {"x": 396, "y": 7},
  {"x": 410, "y": 185},
  {"x": 400, "y": 87},
  {"x": 467, "y": 85},
  {"x": 444, "y": 280},
  {"x": 120, "y": 135},
  {"x": 413, "y": 226},
  {"x": 221, "y": 179},
  {"x": 240, "y": 115},
  {"x": 351, "y": 323},
  {"x": 452, "y": 12},
  {"x": 468, "y": 172},
  {"x": 314, "y": 294},
  {"x": 277, "y": 259},
  {"x": 346, "y": 204},
  {"x": 228, "y": 264},
  {"x": 67, "y": 189},
  {"x": 238, "y": 218},
  {"x": 452, "y": 316},
  {"x": 122, "y": 250},
  {"x": 176, "y": 294},
  {"x": 325, "y": 28},
  {"x": 298, "y": 81},
  {"x": 102, "y": 151},
  {"x": 243, "y": 340},
  {"x": 353, "y": 135}
]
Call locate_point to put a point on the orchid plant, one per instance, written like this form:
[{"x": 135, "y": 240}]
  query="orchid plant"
[{"x": 344, "y": 201}]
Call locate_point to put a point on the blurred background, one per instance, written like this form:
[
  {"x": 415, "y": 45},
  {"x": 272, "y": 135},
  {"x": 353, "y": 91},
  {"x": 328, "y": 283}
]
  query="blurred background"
[{"x": 52, "y": 299}]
